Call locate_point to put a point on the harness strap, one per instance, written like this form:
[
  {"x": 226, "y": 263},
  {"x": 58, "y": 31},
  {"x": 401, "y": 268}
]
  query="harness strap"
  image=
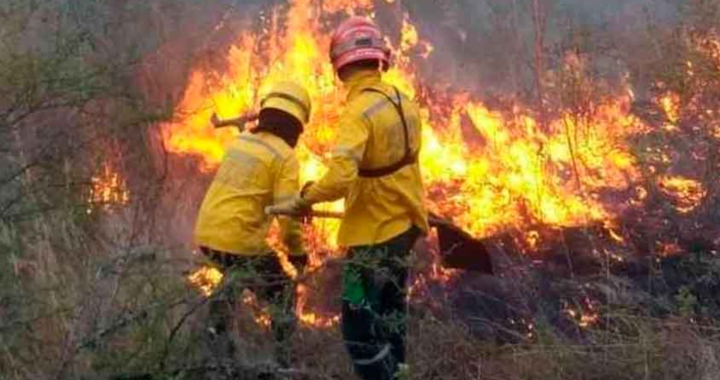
[{"x": 409, "y": 158}]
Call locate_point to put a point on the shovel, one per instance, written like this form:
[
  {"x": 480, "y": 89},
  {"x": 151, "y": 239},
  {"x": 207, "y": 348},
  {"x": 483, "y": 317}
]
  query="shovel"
[{"x": 458, "y": 248}]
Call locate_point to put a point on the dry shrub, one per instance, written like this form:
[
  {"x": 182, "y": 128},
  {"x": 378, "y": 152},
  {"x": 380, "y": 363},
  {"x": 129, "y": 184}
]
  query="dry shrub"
[{"x": 648, "y": 349}]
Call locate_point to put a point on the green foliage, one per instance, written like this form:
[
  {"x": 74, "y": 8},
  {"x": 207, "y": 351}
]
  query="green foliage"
[{"x": 687, "y": 302}]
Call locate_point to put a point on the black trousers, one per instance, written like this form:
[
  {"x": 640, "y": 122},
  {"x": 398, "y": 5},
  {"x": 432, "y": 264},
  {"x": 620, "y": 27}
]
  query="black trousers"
[
  {"x": 374, "y": 309},
  {"x": 265, "y": 277}
]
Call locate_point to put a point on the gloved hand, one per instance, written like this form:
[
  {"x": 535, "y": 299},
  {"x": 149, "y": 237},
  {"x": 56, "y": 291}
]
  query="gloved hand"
[
  {"x": 299, "y": 262},
  {"x": 293, "y": 207}
]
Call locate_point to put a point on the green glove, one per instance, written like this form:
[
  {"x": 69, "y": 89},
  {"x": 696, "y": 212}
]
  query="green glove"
[{"x": 353, "y": 290}]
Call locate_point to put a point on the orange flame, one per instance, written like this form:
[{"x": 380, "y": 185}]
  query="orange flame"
[
  {"x": 490, "y": 170},
  {"x": 108, "y": 189},
  {"x": 310, "y": 318},
  {"x": 262, "y": 315},
  {"x": 207, "y": 279},
  {"x": 686, "y": 194},
  {"x": 669, "y": 249},
  {"x": 586, "y": 315},
  {"x": 611, "y": 229},
  {"x": 506, "y": 174},
  {"x": 670, "y": 103}
]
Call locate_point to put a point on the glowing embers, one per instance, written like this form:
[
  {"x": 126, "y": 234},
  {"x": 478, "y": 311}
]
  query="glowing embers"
[
  {"x": 613, "y": 231},
  {"x": 261, "y": 314},
  {"x": 207, "y": 279},
  {"x": 108, "y": 189},
  {"x": 685, "y": 194},
  {"x": 708, "y": 43},
  {"x": 669, "y": 249},
  {"x": 585, "y": 313},
  {"x": 670, "y": 103}
]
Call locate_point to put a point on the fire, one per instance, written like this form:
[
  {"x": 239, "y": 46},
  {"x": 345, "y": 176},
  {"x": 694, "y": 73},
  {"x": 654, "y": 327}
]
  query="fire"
[
  {"x": 207, "y": 279},
  {"x": 587, "y": 320},
  {"x": 490, "y": 170},
  {"x": 686, "y": 194},
  {"x": 440, "y": 273},
  {"x": 310, "y": 318},
  {"x": 585, "y": 316},
  {"x": 523, "y": 175},
  {"x": 611, "y": 229},
  {"x": 670, "y": 103},
  {"x": 532, "y": 239},
  {"x": 108, "y": 189},
  {"x": 669, "y": 249},
  {"x": 708, "y": 43},
  {"x": 508, "y": 173},
  {"x": 301, "y": 292},
  {"x": 262, "y": 316}
]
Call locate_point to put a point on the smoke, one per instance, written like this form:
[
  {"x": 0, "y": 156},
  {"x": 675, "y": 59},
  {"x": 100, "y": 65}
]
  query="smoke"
[
  {"x": 483, "y": 46},
  {"x": 488, "y": 45}
]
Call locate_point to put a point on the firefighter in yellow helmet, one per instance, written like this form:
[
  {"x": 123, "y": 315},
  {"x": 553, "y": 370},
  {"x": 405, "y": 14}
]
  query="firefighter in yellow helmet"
[
  {"x": 259, "y": 168},
  {"x": 375, "y": 168}
]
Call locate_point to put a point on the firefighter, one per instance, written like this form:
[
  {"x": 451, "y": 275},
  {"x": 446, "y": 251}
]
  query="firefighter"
[
  {"x": 259, "y": 168},
  {"x": 374, "y": 166}
]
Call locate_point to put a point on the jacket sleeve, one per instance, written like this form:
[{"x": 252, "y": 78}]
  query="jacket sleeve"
[
  {"x": 344, "y": 162},
  {"x": 287, "y": 186}
]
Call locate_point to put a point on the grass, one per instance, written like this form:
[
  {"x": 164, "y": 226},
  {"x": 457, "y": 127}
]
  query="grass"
[{"x": 100, "y": 312}]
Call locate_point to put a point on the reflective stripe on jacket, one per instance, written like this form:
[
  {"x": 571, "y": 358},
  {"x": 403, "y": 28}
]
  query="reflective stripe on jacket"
[
  {"x": 258, "y": 170},
  {"x": 371, "y": 136}
]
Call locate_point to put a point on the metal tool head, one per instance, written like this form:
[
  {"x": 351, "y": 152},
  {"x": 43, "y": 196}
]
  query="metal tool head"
[{"x": 460, "y": 250}]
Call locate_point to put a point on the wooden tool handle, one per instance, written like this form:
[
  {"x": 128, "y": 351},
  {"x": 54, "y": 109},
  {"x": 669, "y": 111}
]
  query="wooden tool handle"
[
  {"x": 433, "y": 219},
  {"x": 272, "y": 210},
  {"x": 237, "y": 122}
]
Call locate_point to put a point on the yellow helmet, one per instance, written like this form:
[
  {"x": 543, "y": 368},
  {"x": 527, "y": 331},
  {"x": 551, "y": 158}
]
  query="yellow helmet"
[{"x": 290, "y": 97}]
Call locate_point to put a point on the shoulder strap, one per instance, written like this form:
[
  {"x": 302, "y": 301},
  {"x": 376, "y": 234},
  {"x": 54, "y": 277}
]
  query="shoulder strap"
[{"x": 409, "y": 158}]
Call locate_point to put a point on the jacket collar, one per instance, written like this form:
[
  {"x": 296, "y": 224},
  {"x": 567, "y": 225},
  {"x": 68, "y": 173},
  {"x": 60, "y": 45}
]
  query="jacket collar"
[{"x": 360, "y": 80}]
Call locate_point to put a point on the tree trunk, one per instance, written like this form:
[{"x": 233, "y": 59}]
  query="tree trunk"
[
  {"x": 539, "y": 22},
  {"x": 517, "y": 53}
]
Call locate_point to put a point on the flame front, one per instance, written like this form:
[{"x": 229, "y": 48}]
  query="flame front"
[
  {"x": 489, "y": 170},
  {"x": 502, "y": 172}
]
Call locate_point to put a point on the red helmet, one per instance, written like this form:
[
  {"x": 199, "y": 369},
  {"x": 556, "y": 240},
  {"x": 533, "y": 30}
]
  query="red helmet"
[{"x": 358, "y": 39}]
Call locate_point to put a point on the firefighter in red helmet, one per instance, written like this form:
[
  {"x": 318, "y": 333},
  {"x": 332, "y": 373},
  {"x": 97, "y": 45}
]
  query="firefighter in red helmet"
[{"x": 374, "y": 166}]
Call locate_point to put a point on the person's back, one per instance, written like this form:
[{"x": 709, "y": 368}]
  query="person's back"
[
  {"x": 374, "y": 166},
  {"x": 383, "y": 199},
  {"x": 258, "y": 169}
]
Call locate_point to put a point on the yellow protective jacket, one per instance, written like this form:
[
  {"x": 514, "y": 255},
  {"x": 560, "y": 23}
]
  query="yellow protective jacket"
[
  {"x": 258, "y": 170},
  {"x": 370, "y": 137}
]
